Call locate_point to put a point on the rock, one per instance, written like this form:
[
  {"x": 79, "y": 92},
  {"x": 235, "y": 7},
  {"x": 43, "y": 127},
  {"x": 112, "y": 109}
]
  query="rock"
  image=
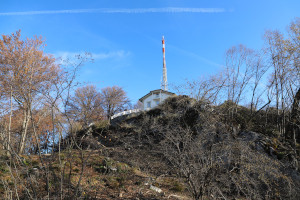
[
  {"x": 113, "y": 169},
  {"x": 174, "y": 196},
  {"x": 156, "y": 189}
]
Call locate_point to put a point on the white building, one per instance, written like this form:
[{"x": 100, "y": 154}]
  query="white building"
[{"x": 154, "y": 98}]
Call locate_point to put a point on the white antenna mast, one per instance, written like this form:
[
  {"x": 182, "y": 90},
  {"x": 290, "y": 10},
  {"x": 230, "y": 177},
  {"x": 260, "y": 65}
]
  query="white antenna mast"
[{"x": 164, "y": 83}]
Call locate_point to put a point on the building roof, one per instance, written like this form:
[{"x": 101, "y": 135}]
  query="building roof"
[{"x": 155, "y": 92}]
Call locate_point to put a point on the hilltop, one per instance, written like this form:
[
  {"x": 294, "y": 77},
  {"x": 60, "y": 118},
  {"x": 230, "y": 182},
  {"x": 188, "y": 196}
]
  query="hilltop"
[{"x": 205, "y": 151}]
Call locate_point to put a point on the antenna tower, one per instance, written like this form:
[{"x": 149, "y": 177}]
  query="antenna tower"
[{"x": 164, "y": 83}]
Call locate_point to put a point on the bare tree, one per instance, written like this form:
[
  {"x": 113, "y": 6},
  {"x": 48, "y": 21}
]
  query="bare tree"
[
  {"x": 204, "y": 89},
  {"x": 294, "y": 77},
  {"x": 239, "y": 60},
  {"x": 114, "y": 100},
  {"x": 259, "y": 70},
  {"x": 279, "y": 61},
  {"x": 86, "y": 105}
]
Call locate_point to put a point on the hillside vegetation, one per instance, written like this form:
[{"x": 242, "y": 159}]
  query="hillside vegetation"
[
  {"x": 185, "y": 148},
  {"x": 209, "y": 155}
]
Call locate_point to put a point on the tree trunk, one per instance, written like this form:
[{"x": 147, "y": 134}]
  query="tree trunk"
[
  {"x": 295, "y": 117},
  {"x": 24, "y": 132},
  {"x": 9, "y": 125}
]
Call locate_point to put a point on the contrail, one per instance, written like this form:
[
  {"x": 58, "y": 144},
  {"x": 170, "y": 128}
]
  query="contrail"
[{"x": 123, "y": 10}]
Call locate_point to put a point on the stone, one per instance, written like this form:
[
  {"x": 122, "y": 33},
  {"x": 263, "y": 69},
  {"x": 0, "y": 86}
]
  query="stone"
[{"x": 156, "y": 189}]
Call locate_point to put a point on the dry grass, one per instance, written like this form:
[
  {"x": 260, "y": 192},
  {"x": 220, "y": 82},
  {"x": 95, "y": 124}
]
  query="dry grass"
[{"x": 101, "y": 178}]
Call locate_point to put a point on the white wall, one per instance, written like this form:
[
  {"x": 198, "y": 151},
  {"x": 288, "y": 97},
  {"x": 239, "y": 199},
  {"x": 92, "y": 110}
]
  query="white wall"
[{"x": 154, "y": 99}]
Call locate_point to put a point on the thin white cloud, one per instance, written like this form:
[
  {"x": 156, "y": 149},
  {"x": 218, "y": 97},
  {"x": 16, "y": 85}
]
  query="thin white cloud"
[
  {"x": 66, "y": 56},
  {"x": 114, "y": 54},
  {"x": 121, "y": 10}
]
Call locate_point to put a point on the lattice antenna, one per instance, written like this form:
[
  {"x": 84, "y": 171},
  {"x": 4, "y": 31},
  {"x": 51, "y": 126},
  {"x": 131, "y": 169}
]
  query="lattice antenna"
[{"x": 164, "y": 83}]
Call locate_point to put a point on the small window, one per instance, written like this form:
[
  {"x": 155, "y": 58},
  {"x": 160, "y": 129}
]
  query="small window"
[
  {"x": 149, "y": 104},
  {"x": 156, "y": 102},
  {"x": 156, "y": 95}
]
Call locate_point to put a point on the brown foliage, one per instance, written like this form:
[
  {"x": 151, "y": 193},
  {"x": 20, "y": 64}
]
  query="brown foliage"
[
  {"x": 114, "y": 100},
  {"x": 26, "y": 75},
  {"x": 86, "y": 105}
]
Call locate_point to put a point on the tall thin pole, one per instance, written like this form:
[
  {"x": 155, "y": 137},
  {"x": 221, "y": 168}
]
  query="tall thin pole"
[{"x": 164, "y": 84}]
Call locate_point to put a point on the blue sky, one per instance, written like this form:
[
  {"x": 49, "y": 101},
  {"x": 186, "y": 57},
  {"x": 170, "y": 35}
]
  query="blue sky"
[{"x": 124, "y": 37}]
